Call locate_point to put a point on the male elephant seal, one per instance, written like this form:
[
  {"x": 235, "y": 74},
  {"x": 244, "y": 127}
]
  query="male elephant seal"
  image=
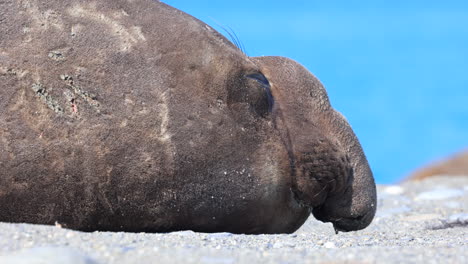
[
  {"x": 453, "y": 165},
  {"x": 134, "y": 116}
]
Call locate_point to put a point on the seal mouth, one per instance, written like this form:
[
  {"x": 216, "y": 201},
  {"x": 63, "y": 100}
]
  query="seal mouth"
[{"x": 345, "y": 224}]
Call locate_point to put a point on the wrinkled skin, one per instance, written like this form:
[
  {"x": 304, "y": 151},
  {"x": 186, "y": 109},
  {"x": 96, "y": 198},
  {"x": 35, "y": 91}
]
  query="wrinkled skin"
[{"x": 134, "y": 116}]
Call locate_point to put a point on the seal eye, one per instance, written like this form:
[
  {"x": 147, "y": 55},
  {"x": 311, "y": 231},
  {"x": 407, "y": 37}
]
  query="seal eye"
[
  {"x": 259, "y": 78},
  {"x": 266, "y": 100}
]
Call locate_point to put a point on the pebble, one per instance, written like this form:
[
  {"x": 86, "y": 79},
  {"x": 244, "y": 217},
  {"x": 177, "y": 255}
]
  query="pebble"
[
  {"x": 329, "y": 245},
  {"x": 461, "y": 218},
  {"x": 407, "y": 239},
  {"x": 277, "y": 245}
]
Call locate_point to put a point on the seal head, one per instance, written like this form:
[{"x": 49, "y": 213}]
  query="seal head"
[{"x": 331, "y": 173}]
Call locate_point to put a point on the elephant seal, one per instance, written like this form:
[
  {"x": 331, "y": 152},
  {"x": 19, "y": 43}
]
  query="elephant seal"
[
  {"x": 134, "y": 116},
  {"x": 454, "y": 165}
]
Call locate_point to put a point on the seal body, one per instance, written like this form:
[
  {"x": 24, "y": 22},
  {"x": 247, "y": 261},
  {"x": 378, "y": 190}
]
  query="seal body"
[{"x": 134, "y": 116}]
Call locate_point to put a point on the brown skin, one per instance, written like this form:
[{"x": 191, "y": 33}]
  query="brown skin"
[{"x": 134, "y": 116}]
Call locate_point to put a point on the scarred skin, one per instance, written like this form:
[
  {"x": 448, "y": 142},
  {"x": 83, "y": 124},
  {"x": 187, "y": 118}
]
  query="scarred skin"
[{"x": 134, "y": 116}]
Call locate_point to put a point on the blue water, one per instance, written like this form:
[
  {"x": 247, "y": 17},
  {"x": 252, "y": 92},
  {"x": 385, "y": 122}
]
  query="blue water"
[{"x": 397, "y": 70}]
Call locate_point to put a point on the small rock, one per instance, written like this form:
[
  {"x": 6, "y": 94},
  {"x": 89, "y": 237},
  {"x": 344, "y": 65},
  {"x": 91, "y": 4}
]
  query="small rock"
[
  {"x": 456, "y": 220},
  {"x": 461, "y": 218},
  {"x": 329, "y": 245},
  {"x": 277, "y": 245},
  {"x": 69, "y": 234},
  {"x": 348, "y": 244},
  {"x": 407, "y": 239}
]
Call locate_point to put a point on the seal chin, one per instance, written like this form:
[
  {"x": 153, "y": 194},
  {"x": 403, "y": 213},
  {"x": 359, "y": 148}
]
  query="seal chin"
[
  {"x": 352, "y": 224},
  {"x": 344, "y": 224}
]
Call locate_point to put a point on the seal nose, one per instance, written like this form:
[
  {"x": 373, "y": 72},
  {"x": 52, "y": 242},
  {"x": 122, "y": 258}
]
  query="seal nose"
[
  {"x": 325, "y": 176},
  {"x": 338, "y": 211},
  {"x": 322, "y": 171},
  {"x": 354, "y": 223}
]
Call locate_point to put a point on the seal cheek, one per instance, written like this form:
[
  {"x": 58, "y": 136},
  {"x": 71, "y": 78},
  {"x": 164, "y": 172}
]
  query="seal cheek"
[{"x": 276, "y": 209}]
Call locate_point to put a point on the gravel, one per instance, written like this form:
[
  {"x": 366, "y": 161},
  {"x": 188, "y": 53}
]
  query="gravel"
[{"x": 416, "y": 222}]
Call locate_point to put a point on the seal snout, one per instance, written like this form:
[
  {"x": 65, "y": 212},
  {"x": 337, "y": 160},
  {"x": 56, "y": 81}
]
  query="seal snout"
[
  {"x": 353, "y": 223},
  {"x": 324, "y": 183},
  {"x": 343, "y": 223},
  {"x": 322, "y": 170}
]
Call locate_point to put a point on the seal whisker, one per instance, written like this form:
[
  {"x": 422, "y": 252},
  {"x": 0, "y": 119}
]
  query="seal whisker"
[
  {"x": 324, "y": 187},
  {"x": 320, "y": 192},
  {"x": 237, "y": 40},
  {"x": 232, "y": 36}
]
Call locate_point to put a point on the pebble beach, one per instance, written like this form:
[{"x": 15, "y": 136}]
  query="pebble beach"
[{"x": 416, "y": 222}]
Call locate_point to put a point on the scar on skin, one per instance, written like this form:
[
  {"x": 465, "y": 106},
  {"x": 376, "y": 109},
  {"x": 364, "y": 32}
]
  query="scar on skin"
[
  {"x": 56, "y": 55},
  {"x": 45, "y": 97},
  {"x": 19, "y": 73},
  {"x": 128, "y": 35},
  {"x": 71, "y": 98},
  {"x": 89, "y": 98}
]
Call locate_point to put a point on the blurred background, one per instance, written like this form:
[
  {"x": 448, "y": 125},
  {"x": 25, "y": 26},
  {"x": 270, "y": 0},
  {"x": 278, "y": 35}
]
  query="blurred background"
[{"x": 398, "y": 70}]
